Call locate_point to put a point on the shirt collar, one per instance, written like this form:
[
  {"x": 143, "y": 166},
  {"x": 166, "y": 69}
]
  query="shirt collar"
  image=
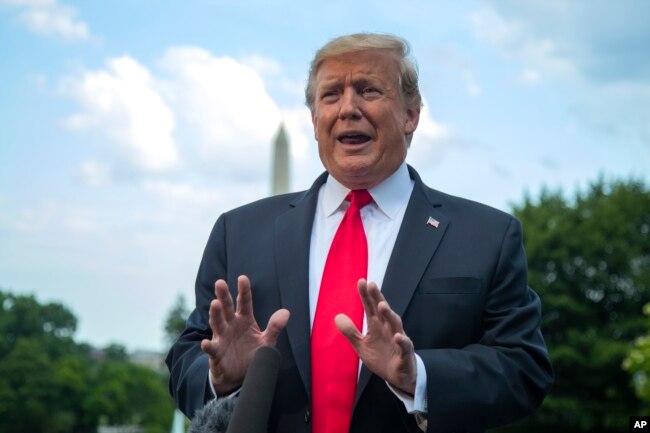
[{"x": 390, "y": 195}]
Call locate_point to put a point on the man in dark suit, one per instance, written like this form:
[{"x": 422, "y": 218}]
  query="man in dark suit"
[{"x": 450, "y": 338}]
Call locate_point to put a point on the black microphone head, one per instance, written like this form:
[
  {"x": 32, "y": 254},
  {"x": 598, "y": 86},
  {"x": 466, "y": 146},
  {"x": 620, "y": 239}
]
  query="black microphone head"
[
  {"x": 213, "y": 417},
  {"x": 253, "y": 406}
]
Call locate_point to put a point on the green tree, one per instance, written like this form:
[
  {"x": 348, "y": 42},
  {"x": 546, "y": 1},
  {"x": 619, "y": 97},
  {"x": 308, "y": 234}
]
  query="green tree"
[
  {"x": 637, "y": 363},
  {"x": 125, "y": 393},
  {"x": 25, "y": 388},
  {"x": 72, "y": 377},
  {"x": 33, "y": 337},
  {"x": 174, "y": 327},
  {"x": 116, "y": 353},
  {"x": 51, "y": 384},
  {"x": 175, "y": 321},
  {"x": 51, "y": 324},
  {"x": 589, "y": 260}
]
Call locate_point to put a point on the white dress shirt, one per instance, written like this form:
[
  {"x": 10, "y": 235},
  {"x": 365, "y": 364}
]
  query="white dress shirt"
[{"x": 382, "y": 219}]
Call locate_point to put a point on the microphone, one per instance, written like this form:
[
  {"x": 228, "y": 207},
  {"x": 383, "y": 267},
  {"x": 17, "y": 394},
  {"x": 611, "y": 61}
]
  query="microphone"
[
  {"x": 253, "y": 406},
  {"x": 213, "y": 417},
  {"x": 248, "y": 412}
]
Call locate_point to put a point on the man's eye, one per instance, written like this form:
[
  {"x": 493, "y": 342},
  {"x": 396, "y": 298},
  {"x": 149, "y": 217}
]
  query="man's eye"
[
  {"x": 370, "y": 91},
  {"x": 328, "y": 95}
]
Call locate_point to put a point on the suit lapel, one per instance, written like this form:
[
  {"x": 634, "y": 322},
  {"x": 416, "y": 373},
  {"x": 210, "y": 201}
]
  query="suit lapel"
[
  {"x": 292, "y": 241},
  {"x": 414, "y": 247}
]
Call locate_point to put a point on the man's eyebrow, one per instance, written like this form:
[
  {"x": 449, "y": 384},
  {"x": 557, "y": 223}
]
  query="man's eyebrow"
[
  {"x": 367, "y": 79},
  {"x": 333, "y": 82},
  {"x": 357, "y": 81}
]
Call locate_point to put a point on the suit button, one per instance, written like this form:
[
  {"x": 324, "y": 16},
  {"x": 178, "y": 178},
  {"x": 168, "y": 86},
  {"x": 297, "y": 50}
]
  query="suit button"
[{"x": 307, "y": 416}]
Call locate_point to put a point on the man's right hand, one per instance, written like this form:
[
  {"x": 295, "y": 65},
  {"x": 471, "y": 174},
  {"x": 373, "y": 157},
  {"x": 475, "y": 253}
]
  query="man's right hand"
[{"x": 236, "y": 335}]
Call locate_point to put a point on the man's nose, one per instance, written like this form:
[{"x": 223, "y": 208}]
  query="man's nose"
[{"x": 350, "y": 108}]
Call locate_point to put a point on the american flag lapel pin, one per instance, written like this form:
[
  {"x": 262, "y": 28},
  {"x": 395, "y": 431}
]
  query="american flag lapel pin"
[{"x": 433, "y": 222}]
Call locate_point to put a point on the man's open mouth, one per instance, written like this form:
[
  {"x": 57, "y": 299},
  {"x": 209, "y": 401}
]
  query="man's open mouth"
[{"x": 353, "y": 138}]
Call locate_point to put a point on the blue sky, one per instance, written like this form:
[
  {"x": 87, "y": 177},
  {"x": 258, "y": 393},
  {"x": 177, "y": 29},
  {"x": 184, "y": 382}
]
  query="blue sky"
[{"x": 127, "y": 127}]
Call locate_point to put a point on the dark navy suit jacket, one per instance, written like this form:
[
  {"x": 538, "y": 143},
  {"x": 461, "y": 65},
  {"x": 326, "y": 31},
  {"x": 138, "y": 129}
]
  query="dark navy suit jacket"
[{"x": 461, "y": 290}]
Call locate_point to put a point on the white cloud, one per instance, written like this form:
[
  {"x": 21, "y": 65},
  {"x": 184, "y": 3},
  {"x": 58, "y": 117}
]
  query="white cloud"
[
  {"x": 598, "y": 43},
  {"x": 56, "y": 20},
  {"x": 223, "y": 122},
  {"x": 51, "y": 18},
  {"x": 515, "y": 39},
  {"x": 430, "y": 140},
  {"x": 198, "y": 117},
  {"x": 530, "y": 77},
  {"x": 35, "y": 218},
  {"x": 125, "y": 104},
  {"x": 430, "y": 130},
  {"x": 599, "y": 50},
  {"x": 225, "y": 106},
  {"x": 295, "y": 89},
  {"x": 263, "y": 65}
]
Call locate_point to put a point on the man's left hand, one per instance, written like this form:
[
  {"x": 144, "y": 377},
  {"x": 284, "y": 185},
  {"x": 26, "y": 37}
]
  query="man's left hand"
[{"x": 385, "y": 349}]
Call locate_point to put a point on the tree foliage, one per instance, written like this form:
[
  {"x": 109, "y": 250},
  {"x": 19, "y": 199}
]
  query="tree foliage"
[
  {"x": 49, "y": 383},
  {"x": 589, "y": 260},
  {"x": 637, "y": 363},
  {"x": 175, "y": 321}
]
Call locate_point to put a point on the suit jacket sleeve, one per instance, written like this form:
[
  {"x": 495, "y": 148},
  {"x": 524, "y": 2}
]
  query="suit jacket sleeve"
[{"x": 506, "y": 373}]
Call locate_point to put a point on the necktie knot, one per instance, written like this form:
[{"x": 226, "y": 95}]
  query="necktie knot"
[{"x": 359, "y": 198}]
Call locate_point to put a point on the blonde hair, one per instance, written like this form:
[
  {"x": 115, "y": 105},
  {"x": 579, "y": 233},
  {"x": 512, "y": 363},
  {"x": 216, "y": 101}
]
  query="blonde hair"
[{"x": 408, "y": 78}]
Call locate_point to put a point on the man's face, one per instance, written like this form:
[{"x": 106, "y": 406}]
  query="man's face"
[{"x": 360, "y": 119}]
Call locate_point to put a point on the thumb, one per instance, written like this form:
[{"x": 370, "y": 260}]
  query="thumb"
[
  {"x": 277, "y": 323},
  {"x": 347, "y": 327}
]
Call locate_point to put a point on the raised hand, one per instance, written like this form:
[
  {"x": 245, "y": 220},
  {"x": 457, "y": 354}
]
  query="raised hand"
[
  {"x": 385, "y": 349},
  {"x": 236, "y": 335}
]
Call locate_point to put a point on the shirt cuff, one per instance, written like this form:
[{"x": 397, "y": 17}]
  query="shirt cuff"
[
  {"x": 214, "y": 392},
  {"x": 418, "y": 402}
]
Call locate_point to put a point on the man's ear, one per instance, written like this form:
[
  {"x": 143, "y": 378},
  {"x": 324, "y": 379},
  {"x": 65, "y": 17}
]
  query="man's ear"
[{"x": 412, "y": 120}]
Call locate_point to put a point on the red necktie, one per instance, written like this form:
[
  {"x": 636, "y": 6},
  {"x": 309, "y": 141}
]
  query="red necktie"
[{"x": 334, "y": 362}]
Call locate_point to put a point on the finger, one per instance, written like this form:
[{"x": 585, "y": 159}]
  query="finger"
[
  {"x": 368, "y": 306},
  {"x": 223, "y": 294},
  {"x": 209, "y": 347},
  {"x": 244, "y": 296},
  {"x": 349, "y": 330},
  {"x": 404, "y": 342},
  {"x": 390, "y": 317},
  {"x": 375, "y": 293},
  {"x": 217, "y": 320},
  {"x": 277, "y": 323}
]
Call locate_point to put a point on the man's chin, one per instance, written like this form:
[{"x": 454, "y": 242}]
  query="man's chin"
[{"x": 355, "y": 173}]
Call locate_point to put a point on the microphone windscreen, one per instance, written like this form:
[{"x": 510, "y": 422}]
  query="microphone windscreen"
[
  {"x": 213, "y": 417},
  {"x": 253, "y": 406}
]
